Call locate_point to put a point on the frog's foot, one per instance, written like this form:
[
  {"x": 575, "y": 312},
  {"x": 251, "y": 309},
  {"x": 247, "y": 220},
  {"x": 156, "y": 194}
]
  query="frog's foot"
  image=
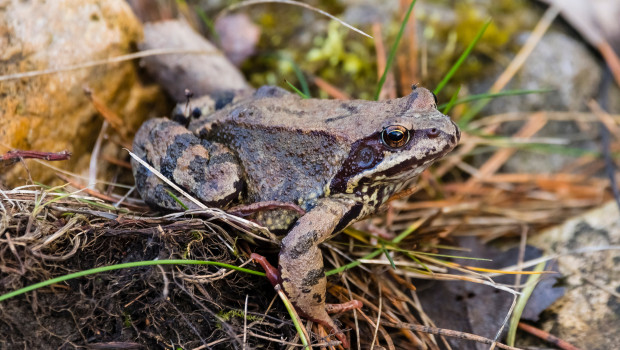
[
  {"x": 317, "y": 315},
  {"x": 324, "y": 319}
]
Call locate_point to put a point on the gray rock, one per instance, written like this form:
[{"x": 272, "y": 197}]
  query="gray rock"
[
  {"x": 558, "y": 62},
  {"x": 561, "y": 63},
  {"x": 202, "y": 74}
]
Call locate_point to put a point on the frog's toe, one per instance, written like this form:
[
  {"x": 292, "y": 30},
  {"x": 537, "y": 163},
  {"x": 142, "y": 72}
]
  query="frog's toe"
[
  {"x": 324, "y": 319},
  {"x": 338, "y": 308}
]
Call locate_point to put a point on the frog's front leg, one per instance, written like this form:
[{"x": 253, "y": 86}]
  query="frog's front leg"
[
  {"x": 301, "y": 261},
  {"x": 206, "y": 170}
]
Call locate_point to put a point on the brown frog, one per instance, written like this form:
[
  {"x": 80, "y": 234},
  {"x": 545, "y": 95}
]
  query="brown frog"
[{"x": 337, "y": 160}]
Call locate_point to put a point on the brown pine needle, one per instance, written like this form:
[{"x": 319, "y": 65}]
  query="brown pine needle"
[{"x": 330, "y": 89}]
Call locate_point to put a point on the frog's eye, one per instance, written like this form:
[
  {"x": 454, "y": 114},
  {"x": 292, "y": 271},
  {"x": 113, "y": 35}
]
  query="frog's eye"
[
  {"x": 395, "y": 136},
  {"x": 435, "y": 97}
]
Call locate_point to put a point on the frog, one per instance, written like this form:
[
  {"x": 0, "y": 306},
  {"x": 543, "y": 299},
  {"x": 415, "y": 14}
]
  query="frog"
[{"x": 328, "y": 162}]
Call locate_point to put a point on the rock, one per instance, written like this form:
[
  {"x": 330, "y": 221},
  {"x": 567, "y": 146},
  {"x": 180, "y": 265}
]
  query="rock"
[
  {"x": 565, "y": 65},
  {"x": 558, "y": 62},
  {"x": 51, "y": 112},
  {"x": 363, "y": 12},
  {"x": 202, "y": 74},
  {"x": 238, "y": 37},
  {"x": 588, "y": 316}
]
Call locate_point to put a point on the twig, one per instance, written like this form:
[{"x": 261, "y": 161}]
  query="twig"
[
  {"x": 447, "y": 333},
  {"x": 97, "y": 194},
  {"x": 245, "y": 322},
  {"x": 374, "y": 337},
  {"x": 610, "y": 57},
  {"x": 133, "y": 56},
  {"x": 16, "y": 155},
  {"x": 562, "y": 344},
  {"x": 330, "y": 89},
  {"x": 289, "y": 2}
]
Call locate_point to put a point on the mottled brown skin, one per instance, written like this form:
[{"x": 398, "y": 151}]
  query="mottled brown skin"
[{"x": 337, "y": 160}]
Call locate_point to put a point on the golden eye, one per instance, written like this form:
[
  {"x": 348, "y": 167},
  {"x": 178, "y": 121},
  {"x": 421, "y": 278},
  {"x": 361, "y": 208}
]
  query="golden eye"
[{"x": 395, "y": 136}]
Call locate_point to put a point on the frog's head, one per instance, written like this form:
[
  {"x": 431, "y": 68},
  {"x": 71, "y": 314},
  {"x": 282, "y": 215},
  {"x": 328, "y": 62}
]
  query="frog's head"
[{"x": 396, "y": 148}]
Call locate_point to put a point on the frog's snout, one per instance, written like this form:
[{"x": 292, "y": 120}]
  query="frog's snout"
[
  {"x": 446, "y": 129},
  {"x": 458, "y": 131}
]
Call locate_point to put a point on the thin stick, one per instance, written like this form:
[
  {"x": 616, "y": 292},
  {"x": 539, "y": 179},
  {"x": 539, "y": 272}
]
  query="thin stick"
[
  {"x": 447, "y": 333},
  {"x": 610, "y": 57},
  {"x": 16, "y": 155},
  {"x": 562, "y": 344},
  {"x": 374, "y": 338},
  {"x": 133, "y": 56},
  {"x": 289, "y": 2},
  {"x": 245, "y": 322}
]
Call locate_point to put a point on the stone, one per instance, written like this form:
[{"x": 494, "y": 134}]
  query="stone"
[
  {"x": 203, "y": 73},
  {"x": 51, "y": 112},
  {"x": 588, "y": 316},
  {"x": 565, "y": 65},
  {"x": 558, "y": 62}
]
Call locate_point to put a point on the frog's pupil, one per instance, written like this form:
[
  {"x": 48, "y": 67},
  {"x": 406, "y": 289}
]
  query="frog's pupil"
[{"x": 396, "y": 135}]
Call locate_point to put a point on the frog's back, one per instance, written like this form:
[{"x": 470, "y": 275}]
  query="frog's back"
[{"x": 284, "y": 149}]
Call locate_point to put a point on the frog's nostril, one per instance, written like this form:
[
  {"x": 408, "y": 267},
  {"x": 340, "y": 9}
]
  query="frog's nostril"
[{"x": 432, "y": 133}]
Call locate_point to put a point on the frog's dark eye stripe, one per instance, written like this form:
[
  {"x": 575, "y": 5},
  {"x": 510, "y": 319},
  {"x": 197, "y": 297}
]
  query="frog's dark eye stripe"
[{"x": 395, "y": 136}]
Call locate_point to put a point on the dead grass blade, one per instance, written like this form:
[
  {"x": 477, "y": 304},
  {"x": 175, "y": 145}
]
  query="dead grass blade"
[
  {"x": 122, "y": 58},
  {"x": 288, "y": 2}
]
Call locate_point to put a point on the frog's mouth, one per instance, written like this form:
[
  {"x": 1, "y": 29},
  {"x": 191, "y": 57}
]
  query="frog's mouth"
[{"x": 412, "y": 164}]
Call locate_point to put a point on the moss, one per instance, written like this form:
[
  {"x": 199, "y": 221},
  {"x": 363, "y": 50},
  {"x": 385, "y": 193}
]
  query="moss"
[
  {"x": 323, "y": 48},
  {"x": 228, "y": 315}
]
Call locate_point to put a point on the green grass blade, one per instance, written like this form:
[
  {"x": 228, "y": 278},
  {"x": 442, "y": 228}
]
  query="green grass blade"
[
  {"x": 176, "y": 199},
  {"x": 544, "y": 148},
  {"x": 301, "y": 78},
  {"x": 414, "y": 258},
  {"x": 355, "y": 263},
  {"x": 208, "y": 23},
  {"x": 453, "y": 256},
  {"x": 124, "y": 266},
  {"x": 387, "y": 255},
  {"x": 393, "y": 49},
  {"x": 532, "y": 281},
  {"x": 462, "y": 58},
  {"x": 472, "y": 112},
  {"x": 409, "y": 230},
  {"x": 497, "y": 94},
  {"x": 298, "y": 73},
  {"x": 298, "y": 327},
  {"x": 452, "y": 101},
  {"x": 296, "y": 89}
]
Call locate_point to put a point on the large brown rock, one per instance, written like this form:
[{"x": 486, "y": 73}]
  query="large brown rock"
[{"x": 51, "y": 112}]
